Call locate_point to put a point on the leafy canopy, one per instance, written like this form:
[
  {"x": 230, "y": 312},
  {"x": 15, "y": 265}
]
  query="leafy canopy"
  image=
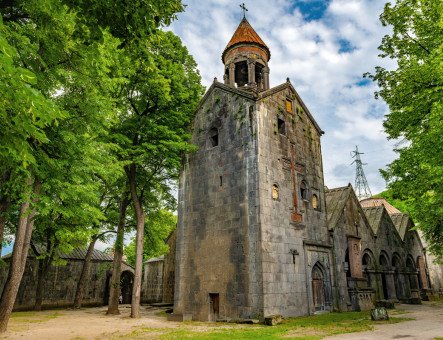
[{"x": 414, "y": 94}]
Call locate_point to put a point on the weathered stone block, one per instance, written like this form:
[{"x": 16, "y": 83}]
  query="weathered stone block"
[
  {"x": 273, "y": 320},
  {"x": 379, "y": 313}
]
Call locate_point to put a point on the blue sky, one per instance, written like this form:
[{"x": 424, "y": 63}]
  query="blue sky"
[{"x": 324, "y": 47}]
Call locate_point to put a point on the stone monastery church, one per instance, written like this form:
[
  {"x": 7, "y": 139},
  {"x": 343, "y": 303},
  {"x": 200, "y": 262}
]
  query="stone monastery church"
[{"x": 258, "y": 232}]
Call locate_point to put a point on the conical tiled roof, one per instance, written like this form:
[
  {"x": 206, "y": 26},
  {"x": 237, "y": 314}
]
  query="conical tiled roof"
[{"x": 245, "y": 34}]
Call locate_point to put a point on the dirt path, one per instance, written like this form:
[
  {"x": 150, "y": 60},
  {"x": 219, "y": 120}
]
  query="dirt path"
[
  {"x": 428, "y": 324},
  {"x": 92, "y": 323},
  {"x": 88, "y": 323}
]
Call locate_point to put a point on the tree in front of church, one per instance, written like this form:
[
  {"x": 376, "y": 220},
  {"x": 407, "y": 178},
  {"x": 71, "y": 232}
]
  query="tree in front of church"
[
  {"x": 414, "y": 94},
  {"x": 160, "y": 223},
  {"x": 55, "y": 111},
  {"x": 162, "y": 92}
]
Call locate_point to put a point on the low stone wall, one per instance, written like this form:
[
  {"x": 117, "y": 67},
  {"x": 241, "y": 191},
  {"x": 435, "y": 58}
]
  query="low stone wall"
[{"x": 60, "y": 284}]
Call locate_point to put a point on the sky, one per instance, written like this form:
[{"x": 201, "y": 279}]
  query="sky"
[{"x": 324, "y": 47}]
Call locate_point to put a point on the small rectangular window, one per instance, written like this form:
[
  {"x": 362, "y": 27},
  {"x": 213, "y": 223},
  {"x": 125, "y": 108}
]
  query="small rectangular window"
[
  {"x": 281, "y": 126},
  {"x": 213, "y": 137},
  {"x": 288, "y": 105},
  {"x": 221, "y": 181}
]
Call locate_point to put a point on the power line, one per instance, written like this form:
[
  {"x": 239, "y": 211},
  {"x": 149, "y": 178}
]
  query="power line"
[{"x": 361, "y": 184}]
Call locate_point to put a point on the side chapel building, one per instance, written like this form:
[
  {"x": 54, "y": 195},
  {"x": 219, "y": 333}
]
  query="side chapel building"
[{"x": 258, "y": 233}]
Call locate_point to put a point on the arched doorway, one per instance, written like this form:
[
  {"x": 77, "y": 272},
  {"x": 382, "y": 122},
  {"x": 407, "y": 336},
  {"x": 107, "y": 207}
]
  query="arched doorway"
[
  {"x": 413, "y": 279},
  {"x": 318, "y": 287},
  {"x": 126, "y": 283},
  {"x": 368, "y": 266}
]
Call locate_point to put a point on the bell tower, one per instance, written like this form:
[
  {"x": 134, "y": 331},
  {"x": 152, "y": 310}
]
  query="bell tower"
[
  {"x": 252, "y": 236},
  {"x": 246, "y": 59}
]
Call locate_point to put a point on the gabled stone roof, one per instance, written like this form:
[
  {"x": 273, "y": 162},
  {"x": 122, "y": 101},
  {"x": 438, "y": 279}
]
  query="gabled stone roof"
[
  {"x": 282, "y": 87},
  {"x": 335, "y": 201},
  {"x": 374, "y": 216},
  {"x": 245, "y": 34},
  {"x": 401, "y": 222}
]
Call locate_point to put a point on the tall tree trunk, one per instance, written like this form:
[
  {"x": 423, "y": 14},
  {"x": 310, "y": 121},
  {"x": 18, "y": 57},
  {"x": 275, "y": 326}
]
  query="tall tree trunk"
[
  {"x": 140, "y": 216},
  {"x": 84, "y": 276},
  {"x": 118, "y": 254},
  {"x": 19, "y": 255}
]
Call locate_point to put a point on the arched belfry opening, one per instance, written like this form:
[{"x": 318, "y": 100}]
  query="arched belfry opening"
[{"x": 246, "y": 59}]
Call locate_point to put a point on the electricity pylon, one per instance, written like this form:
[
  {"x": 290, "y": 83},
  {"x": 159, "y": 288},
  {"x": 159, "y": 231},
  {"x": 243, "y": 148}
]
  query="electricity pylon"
[{"x": 361, "y": 184}]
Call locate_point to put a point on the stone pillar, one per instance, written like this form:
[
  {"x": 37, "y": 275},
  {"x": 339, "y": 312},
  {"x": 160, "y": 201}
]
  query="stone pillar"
[
  {"x": 422, "y": 272},
  {"x": 251, "y": 73},
  {"x": 265, "y": 78},
  {"x": 232, "y": 74},
  {"x": 390, "y": 283},
  {"x": 226, "y": 79},
  {"x": 355, "y": 257}
]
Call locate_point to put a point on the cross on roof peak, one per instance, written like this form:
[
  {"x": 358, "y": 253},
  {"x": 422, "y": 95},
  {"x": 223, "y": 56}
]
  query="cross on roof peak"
[{"x": 243, "y": 7}]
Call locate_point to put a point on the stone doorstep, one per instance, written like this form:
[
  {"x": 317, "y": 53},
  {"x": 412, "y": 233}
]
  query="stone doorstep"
[{"x": 240, "y": 321}]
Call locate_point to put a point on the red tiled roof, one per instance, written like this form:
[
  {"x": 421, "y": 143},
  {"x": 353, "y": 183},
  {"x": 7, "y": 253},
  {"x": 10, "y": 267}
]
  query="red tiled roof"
[
  {"x": 245, "y": 34},
  {"x": 378, "y": 202}
]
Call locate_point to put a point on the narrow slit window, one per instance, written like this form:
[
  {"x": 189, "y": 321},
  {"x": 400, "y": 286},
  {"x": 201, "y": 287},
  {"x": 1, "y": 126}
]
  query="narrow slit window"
[
  {"x": 289, "y": 105},
  {"x": 314, "y": 201},
  {"x": 213, "y": 137},
  {"x": 221, "y": 181},
  {"x": 281, "y": 126},
  {"x": 303, "y": 191}
]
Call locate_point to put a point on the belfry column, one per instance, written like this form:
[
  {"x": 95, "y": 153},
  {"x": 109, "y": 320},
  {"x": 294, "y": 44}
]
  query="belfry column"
[
  {"x": 265, "y": 78},
  {"x": 232, "y": 74},
  {"x": 251, "y": 72}
]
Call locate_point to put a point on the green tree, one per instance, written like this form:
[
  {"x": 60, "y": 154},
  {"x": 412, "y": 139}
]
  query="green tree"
[
  {"x": 56, "y": 108},
  {"x": 160, "y": 98},
  {"x": 160, "y": 224},
  {"x": 414, "y": 94}
]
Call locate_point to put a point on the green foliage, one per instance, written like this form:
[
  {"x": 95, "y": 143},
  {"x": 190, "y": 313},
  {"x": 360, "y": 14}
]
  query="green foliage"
[
  {"x": 414, "y": 94},
  {"x": 158, "y": 227}
]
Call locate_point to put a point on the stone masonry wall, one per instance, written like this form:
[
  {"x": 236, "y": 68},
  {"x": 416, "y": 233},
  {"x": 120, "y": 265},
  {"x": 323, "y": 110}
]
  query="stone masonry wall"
[
  {"x": 60, "y": 284},
  {"x": 218, "y": 230},
  {"x": 294, "y": 233}
]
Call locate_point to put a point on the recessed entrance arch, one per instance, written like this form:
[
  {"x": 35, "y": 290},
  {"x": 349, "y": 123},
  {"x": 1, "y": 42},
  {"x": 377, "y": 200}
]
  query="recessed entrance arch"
[
  {"x": 383, "y": 261},
  {"x": 126, "y": 283},
  {"x": 318, "y": 287}
]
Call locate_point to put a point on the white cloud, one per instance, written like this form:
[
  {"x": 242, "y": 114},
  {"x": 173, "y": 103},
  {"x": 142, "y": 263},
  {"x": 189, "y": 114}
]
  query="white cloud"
[{"x": 309, "y": 54}]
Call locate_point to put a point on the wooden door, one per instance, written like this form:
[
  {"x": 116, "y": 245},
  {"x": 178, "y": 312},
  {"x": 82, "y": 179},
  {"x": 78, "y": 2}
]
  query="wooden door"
[
  {"x": 214, "y": 306},
  {"x": 318, "y": 288},
  {"x": 318, "y": 292}
]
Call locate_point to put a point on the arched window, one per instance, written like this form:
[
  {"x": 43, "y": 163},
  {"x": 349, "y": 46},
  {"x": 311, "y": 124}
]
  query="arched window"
[
  {"x": 275, "y": 192},
  {"x": 213, "y": 137},
  {"x": 315, "y": 201}
]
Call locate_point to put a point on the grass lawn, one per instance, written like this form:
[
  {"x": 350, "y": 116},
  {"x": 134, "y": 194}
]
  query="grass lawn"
[{"x": 310, "y": 327}]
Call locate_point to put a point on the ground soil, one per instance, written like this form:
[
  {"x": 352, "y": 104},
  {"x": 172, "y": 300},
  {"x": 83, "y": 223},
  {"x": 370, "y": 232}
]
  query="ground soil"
[
  {"x": 92, "y": 323},
  {"x": 427, "y": 324}
]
